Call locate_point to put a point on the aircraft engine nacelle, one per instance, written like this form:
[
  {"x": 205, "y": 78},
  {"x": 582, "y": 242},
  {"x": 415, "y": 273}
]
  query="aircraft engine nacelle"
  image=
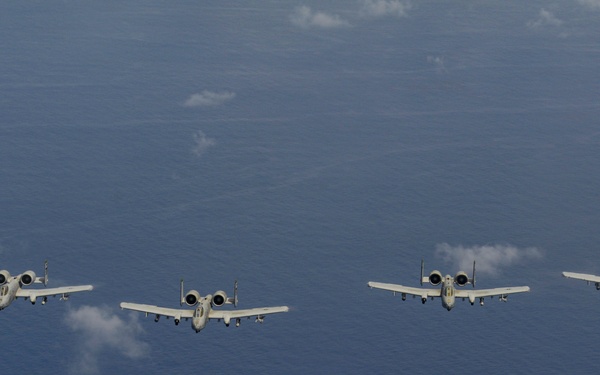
[
  {"x": 4, "y": 277},
  {"x": 219, "y": 298},
  {"x": 435, "y": 277},
  {"x": 192, "y": 298},
  {"x": 27, "y": 278},
  {"x": 461, "y": 279}
]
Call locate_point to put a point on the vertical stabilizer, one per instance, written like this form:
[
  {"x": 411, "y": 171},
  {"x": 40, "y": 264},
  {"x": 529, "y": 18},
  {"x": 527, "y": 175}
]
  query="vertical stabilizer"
[
  {"x": 43, "y": 280},
  {"x": 423, "y": 278},
  {"x": 473, "y": 279},
  {"x": 46, "y": 272},
  {"x": 181, "y": 292},
  {"x": 235, "y": 293}
]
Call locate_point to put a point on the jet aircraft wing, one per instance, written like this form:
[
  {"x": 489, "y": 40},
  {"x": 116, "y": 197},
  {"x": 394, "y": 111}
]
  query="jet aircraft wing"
[
  {"x": 151, "y": 309},
  {"x": 258, "y": 312},
  {"x": 582, "y": 276},
  {"x": 480, "y": 293},
  {"x": 32, "y": 294},
  {"x": 419, "y": 292}
]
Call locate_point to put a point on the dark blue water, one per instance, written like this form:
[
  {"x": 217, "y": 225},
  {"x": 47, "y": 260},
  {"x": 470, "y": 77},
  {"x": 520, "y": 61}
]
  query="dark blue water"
[{"x": 345, "y": 155}]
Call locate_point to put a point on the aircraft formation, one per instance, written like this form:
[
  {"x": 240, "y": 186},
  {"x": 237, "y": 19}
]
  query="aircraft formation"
[
  {"x": 201, "y": 309},
  {"x": 11, "y": 288}
]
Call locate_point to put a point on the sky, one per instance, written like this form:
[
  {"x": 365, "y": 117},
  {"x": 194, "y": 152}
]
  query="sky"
[{"x": 303, "y": 149}]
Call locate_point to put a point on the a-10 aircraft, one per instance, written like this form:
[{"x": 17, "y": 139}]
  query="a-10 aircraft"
[
  {"x": 203, "y": 309},
  {"x": 447, "y": 291},
  {"x": 11, "y": 288},
  {"x": 585, "y": 277}
]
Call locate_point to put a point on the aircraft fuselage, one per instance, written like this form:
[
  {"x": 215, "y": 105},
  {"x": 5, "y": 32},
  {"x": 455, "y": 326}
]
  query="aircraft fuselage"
[
  {"x": 201, "y": 313},
  {"x": 448, "y": 293},
  {"x": 8, "y": 292}
]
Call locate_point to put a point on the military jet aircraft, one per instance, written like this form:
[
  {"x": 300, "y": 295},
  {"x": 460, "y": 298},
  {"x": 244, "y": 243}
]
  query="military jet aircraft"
[
  {"x": 447, "y": 290},
  {"x": 11, "y": 288},
  {"x": 203, "y": 309}
]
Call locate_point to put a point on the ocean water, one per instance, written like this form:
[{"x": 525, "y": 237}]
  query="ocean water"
[{"x": 328, "y": 146}]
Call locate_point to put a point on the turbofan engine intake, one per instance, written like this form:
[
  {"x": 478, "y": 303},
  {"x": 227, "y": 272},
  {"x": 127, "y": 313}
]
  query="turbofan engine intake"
[
  {"x": 461, "y": 279},
  {"x": 192, "y": 298},
  {"x": 219, "y": 298},
  {"x": 27, "y": 278},
  {"x": 435, "y": 277},
  {"x": 4, "y": 277}
]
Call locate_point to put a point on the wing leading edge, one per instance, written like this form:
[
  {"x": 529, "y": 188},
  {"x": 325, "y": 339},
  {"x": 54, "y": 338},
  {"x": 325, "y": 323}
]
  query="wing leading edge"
[
  {"x": 419, "y": 292},
  {"x": 34, "y": 293},
  {"x": 582, "y": 276},
  {"x": 163, "y": 311},
  {"x": 424, "y": 293},
  {"x": 480, "y": 293},
  {"x": 258, "y": 312},
  {"x": 214, "y": 314}
]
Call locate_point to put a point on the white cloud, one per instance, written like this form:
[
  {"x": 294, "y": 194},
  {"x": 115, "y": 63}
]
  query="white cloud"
[
  {"x": 544, "y": 18},
  {"x": 490, "y": 258},
  {"x": 304, "y": 17},
  {"x": 203, "y": 143},
  {"x": 208, "y": 99},
  {"x": 381, "y": 8},
  {"x": 594, "y": 4},
  {"x": 101, "y": 330}
]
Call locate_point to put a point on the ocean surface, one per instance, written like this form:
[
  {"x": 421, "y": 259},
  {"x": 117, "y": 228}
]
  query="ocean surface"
[{"x": 302, "y": 148}]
